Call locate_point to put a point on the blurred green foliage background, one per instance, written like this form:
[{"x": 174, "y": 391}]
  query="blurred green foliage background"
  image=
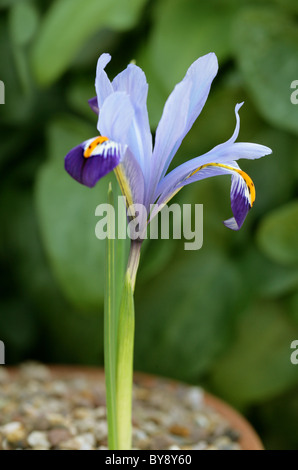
[{"x": 223, "y": 316}]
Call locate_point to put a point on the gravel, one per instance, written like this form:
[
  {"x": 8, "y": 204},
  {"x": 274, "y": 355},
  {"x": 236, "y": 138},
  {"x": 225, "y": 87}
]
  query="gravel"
[{"x": 42, "y": 411}]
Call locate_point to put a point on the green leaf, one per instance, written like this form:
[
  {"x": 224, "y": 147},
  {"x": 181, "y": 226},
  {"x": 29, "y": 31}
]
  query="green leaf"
[
  {"x": 277, "y": 236},
  {"x": 266, "y": 48},
  {"x": 184, "y": 317},
  {"x": 18, "y": 107},
  {"x": 257, "y": 366},
  {"x": 126, "y": 329},
  {"x": 23, "y": 22},
  {"x": 265, "y": 278},
  {"x": 183, "y": 31},
  {"x": 68, "y": 24},
  {"x": 67, "y": 219},
  {"x": 293, "y": 308},
  {"x": 7, "y": 3},
  {"x": 290, "y": 5}
]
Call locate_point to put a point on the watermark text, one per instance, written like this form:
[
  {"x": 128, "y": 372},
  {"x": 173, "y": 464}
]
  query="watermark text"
[
  {"x": 175, "y": 221},
  {"x": 294, "y": 355},
  {"x": 2, "y": 353},
  {"x": 2, "y": 92},
  {"x": 294, "y": 94}
]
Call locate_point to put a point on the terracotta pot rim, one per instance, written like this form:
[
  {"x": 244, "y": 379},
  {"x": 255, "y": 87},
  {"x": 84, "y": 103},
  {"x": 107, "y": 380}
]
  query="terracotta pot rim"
[{"x": 249, "y": 439}]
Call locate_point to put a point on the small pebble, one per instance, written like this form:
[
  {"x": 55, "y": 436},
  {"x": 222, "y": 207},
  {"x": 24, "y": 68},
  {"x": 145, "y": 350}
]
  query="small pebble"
[
  {"x": 100, "y": 430},
  {"x": 58, "y": 435},
  {"x": 178, "y": 430},
  {"x": 13, "y": 432},
  {"x": 38, "y": 439},
  {"x": 195, "y": 398},
  {"x": 81, "y": 442}
]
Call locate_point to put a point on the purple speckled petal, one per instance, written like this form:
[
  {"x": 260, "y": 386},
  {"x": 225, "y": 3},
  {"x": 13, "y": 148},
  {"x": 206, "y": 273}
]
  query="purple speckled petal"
[
  {"x": 89, "y": 170},
  {"x": 93, "y": 103}
]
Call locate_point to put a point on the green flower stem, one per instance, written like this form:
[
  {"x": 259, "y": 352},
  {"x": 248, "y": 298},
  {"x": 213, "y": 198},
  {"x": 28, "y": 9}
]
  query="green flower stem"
[
  {"x": 126, "y": 328},
  {"x": 133, "y": 262},
  {"x": 110, "y": 333}
]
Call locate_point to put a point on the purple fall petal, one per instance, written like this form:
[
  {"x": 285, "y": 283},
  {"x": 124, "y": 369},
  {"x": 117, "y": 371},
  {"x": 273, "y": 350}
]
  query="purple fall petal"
[
  {"x": 88, "y": 171},
  {"x": 74, "y": 162},
  {"x": 240, "y": 202}
]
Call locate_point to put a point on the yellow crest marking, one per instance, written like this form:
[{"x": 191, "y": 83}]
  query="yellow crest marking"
[
  {"x": 92, "y": 146},
  {"x": 124, "y": 184},
  {"x": 248, "y": 181}
]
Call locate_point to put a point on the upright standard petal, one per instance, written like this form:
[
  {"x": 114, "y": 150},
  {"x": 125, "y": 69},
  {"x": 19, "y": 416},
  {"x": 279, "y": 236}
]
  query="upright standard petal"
[
  {"x": 181, "y": 110},
  {"x": 133, "y": 81},
  {"x": 116, "y": 116},
  {"x": 103, "y": 85},
  {"x": 116, "y": 120},
  {"x": 93, "y": 159}
]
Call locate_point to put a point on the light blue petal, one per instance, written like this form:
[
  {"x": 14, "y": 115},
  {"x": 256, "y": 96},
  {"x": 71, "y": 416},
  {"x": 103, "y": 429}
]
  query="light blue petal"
[
  {"x": 133, "y": 81},
  {"x": 116, "y": 117},
  {"x": 242, "y": 190},
  {"x": 103, "y": 85},
  {"x": 115, "y": 121},
  {"x": 131, "y": 179},
  {"x": 223, "y": 153},
  {"x": 181, "y": 110}
]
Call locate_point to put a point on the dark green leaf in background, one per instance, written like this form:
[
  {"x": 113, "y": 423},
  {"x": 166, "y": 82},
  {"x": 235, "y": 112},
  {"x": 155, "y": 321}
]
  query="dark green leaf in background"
[
  {"x": 183, "y": 31},
  {"x": 69, "y": 23},
  {"x": 266, "y": 48},
  {"x": 278, "y": 235},
  {"x": 23, "y": 21},
  {"x": 183, "y": 320},
  {"x": 257, "y": 366}
]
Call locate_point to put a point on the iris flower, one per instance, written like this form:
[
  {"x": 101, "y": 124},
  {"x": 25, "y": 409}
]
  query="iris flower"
[{"x": 124, "y": 143}]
